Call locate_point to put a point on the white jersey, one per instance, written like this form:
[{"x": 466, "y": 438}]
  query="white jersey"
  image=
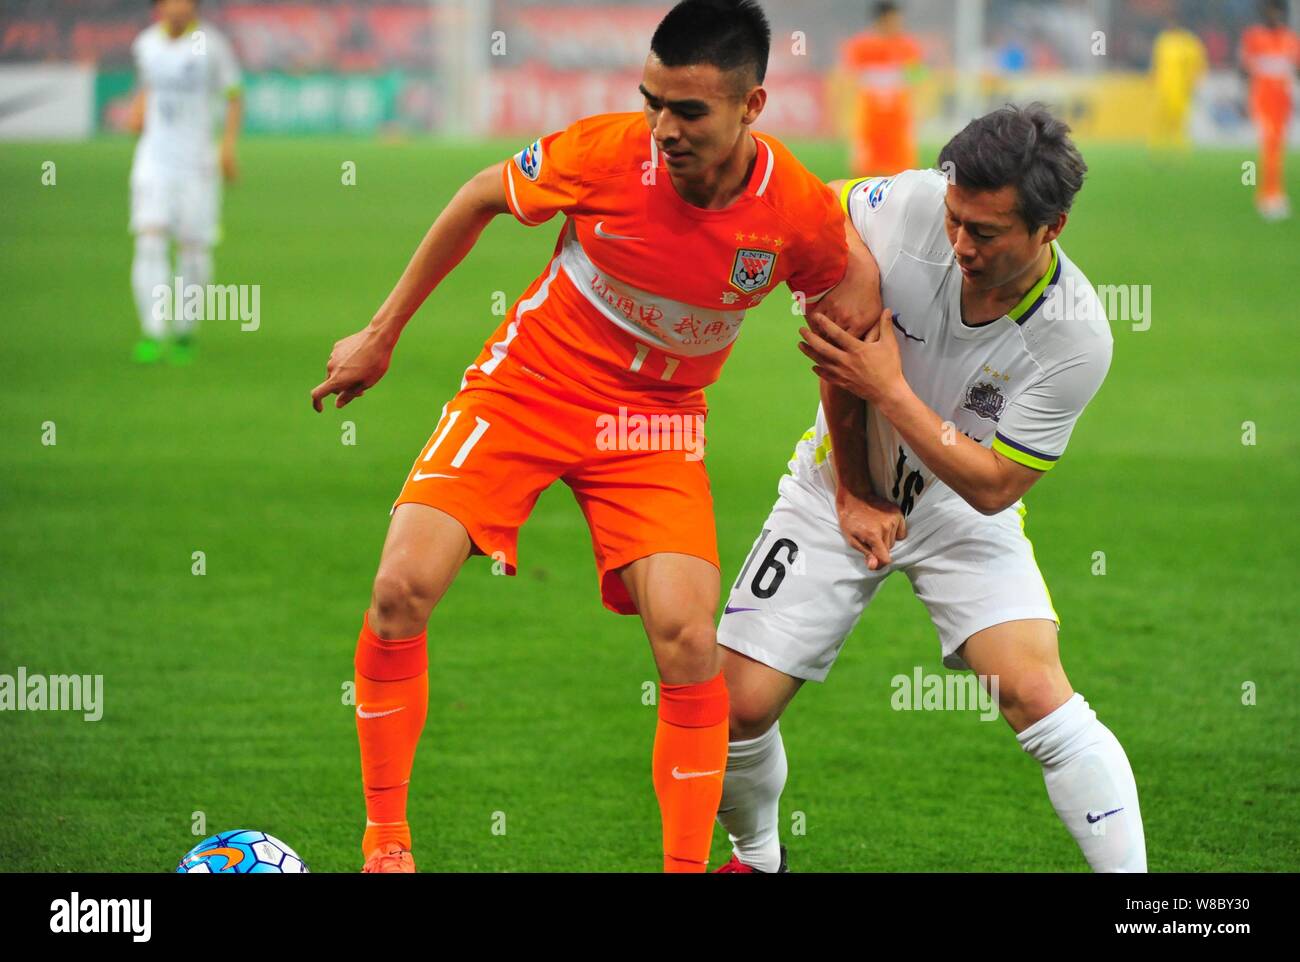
[
  {"x": 1017, "y": 384},
  {"x": 182, "y": 78}
]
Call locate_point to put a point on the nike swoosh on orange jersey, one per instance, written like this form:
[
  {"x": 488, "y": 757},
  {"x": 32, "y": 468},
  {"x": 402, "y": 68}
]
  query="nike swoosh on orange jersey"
[{"x": 602, "y": 233}]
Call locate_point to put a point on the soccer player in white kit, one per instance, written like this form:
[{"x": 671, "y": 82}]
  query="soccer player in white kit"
[
  {"x": 183, "y": 67},
  {"x": 992, "y": 343}
]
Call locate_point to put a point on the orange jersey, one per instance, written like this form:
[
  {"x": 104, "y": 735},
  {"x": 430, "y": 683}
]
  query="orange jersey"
[
  {"x": 1270, "y": 57},
  {"x": 879, "y": 64},
  {"x": 645, "y": 294},
  {"x": 596, "y": 375}
]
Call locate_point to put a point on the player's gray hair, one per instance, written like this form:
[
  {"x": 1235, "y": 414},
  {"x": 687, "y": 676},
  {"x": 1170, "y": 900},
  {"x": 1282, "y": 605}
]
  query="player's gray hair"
[{"x": 1021, "y": 147}]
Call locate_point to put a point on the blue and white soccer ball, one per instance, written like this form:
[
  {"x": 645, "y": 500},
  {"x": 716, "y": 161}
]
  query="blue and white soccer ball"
[{"x": 239, "y": 852}]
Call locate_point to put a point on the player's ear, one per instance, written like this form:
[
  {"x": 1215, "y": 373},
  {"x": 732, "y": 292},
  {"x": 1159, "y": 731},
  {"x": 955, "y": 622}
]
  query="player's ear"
[
  {"x": 755, "y": 101},
  {"x": 1054, "y": 228}
]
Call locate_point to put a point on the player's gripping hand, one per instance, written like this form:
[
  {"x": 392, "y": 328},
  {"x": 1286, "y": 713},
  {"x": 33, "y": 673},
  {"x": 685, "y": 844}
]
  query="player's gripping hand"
[
  {"x": 870, "y": 368},
  {"x": 853, "y": 308},
  {"x": 356, "y": 364},
  {"x": 870, "y": 526}
]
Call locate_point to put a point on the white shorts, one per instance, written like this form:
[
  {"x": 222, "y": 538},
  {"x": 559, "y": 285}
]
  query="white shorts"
[
  {"x": 802, "y": 588},
  {"x": 181, "y": 202}
]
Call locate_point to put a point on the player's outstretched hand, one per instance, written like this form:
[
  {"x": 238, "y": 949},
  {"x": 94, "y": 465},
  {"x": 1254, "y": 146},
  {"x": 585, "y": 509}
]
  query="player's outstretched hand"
[
  {"x": 356, "y": 364},
  {"x": 870, "y": 526}
]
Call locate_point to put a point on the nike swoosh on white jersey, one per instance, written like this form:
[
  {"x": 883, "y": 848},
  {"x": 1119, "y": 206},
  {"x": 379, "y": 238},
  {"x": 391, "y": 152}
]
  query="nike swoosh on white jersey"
[
  {"x": 602, "y": 233},
  {"x": 681, "y": 775},
  {"x": 420, "y": 477},
  {"x": 377, "y": 714}
]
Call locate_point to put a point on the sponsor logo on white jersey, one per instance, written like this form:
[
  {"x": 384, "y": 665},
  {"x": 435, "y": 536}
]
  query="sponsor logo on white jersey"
[{"x": 877, "y": 190}]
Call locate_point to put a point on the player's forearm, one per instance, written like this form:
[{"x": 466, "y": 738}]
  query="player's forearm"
[
  {"x": 853, "y": 305},
  {"x": 970, "y": 469},
  {"x": 451, "y": 237},
  {"x": 846, "y": 422},
  {"x": 135, "y": 114},
  {"x": 846, "y": 413},
  {"x": 862, "y": 276},
  {"x": 234, "y": 120}
]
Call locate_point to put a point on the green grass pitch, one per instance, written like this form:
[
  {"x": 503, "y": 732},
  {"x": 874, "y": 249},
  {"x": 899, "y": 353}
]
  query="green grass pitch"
[{"x": 224, "y": 693}]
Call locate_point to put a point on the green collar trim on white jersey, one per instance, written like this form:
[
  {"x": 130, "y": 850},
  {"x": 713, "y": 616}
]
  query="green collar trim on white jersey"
[{"x": 1035, "y": 295}]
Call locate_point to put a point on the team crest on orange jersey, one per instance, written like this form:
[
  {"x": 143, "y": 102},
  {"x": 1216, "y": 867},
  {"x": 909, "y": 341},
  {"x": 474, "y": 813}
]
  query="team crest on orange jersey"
[{"x": 752, "y": 269}]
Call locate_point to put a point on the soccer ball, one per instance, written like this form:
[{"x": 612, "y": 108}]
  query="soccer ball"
[{"x": 241, "y": 851}]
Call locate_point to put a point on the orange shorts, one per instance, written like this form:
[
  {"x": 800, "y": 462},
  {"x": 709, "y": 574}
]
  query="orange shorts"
[{"x": 638, "y": 475}]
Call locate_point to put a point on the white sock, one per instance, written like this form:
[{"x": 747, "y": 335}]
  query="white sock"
[
  {"x": 756, "y": 771},
  {"x": 194, "y": 264},
  {"x": 1091, "y": 785},
  {"x": 150, "y": 269}
]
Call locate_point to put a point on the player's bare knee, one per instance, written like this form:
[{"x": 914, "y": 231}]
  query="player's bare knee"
[
  {"x": 400, "y": 605},
  {"x": 690, "y": 646},
  {"x": 699, "y": 641},
  {"x": 749, "y": 719},
  {"x": 1032, "y": 697}
]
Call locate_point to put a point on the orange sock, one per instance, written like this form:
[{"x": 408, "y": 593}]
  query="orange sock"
[
  {"x": 392, "y": 679},
  {"x": 690, "y": 759},
  {"x": 1272, "y": 151}
]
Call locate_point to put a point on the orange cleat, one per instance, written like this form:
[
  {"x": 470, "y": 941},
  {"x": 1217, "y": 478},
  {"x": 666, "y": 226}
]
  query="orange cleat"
[{"x": 390, "y": 857}]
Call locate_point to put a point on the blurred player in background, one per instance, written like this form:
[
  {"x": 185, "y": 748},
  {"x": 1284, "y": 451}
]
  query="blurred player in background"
[
  {"x": 992, "y": 345},
  {"x": 626, "y": 317},
  {"x": 1270, "y": 55},
  {"x": 183, "y": 66},
  {"x": 882, "y": 62},
  {"x": 1177, "y": 64}
]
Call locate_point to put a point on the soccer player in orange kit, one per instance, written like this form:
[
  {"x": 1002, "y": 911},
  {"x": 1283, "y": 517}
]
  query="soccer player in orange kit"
[
  {"x": 879, "y": 62},
  {"x": 676, "y": 223},
  {"x": 1270, "y": 55}
]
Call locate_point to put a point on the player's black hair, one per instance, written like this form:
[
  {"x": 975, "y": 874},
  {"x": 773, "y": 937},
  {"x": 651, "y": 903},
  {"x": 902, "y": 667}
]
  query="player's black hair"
[
  {"x": 727, "y": 34},
  {"x": 1021, "y": 147},
  {"x": 884, "y": 8}
]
